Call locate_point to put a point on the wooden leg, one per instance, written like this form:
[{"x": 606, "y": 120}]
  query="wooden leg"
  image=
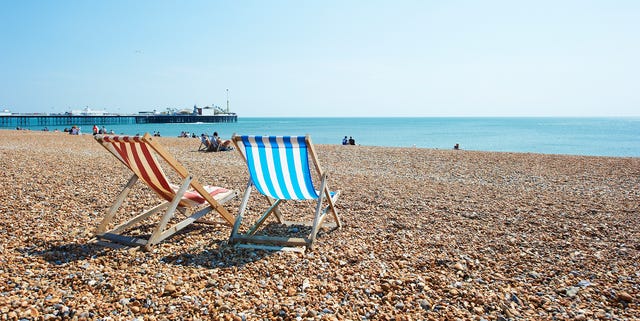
[
  {"x": 243, "y": 207},
  {"x": 169, "y": 213},
  {"x": 272, "y": 209},
  {"x": 102, "y": 227},
  {"x": 331, "y": 207},
  {"x": 274, "y": 205},
  {"x": 318, "y": 217},
  {"x": 122, "y": 227}
]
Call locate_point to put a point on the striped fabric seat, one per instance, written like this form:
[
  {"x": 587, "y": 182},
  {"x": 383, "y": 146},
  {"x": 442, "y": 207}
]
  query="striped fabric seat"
[
  {"x": 280, "y": 168},
  {"x": 135, "y": 154},
  {"x": 140, "y": 155}
]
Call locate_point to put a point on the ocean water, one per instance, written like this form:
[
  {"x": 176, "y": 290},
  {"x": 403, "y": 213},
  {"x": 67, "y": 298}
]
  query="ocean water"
[{"x": 618, "y": 137}]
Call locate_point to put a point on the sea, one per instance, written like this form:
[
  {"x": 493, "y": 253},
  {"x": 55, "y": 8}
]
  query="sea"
[{"x": 590, "y": 136}]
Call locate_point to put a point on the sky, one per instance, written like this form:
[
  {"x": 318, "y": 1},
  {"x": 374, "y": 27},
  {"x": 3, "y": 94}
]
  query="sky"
[{"x": 328, "y": 58}]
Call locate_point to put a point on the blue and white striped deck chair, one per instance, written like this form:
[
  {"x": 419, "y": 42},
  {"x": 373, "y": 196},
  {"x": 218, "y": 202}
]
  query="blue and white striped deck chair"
[{"x": 279, "y": 169}]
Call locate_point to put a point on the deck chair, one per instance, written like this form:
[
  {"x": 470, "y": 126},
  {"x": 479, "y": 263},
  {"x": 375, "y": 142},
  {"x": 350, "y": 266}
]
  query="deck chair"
[
  {"x": 139, "y": 155},
  {"x": 279, "y": 169},
  {"x": 204, "y": 143}
]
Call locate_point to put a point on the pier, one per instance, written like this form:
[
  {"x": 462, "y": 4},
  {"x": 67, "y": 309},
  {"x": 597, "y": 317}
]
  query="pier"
[{"x": 12, "y": 121}]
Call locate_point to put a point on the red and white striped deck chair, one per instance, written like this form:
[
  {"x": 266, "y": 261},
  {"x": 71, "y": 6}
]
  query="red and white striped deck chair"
[
  {"x": 138, "y": 154},
  {"x": 279, "y": 168}
]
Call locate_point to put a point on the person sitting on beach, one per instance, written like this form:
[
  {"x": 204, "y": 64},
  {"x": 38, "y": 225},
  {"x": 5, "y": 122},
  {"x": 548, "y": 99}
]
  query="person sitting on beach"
[
  {"x": 217, "y": 144},
  {"x": 456, "y": 146},
  {"x": 352, "y": 141},
  {"x": 345, "y": 141}
]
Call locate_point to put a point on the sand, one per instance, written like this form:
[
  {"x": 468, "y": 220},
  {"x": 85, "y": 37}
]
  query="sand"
[{"x": 428, "y": 235}]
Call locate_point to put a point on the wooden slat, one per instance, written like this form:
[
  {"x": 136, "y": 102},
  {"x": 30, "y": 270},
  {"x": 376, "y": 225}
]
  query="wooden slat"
[
  {"x": 117, "y": 238},
  {"x": 272, "y": 247},
  {"x": 124, "y": 226},
  {"x": 261, "y": 239},
  {"x": 111, "y": 245},
  {"x": 310, "y": 223},
  {"x": 182, "y": 224}
]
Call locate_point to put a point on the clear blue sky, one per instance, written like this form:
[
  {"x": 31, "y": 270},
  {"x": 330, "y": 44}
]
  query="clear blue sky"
[{"x": 324, "y": 58}]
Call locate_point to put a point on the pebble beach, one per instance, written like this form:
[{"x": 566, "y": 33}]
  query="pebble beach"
[{"x": 427, "y": 235}]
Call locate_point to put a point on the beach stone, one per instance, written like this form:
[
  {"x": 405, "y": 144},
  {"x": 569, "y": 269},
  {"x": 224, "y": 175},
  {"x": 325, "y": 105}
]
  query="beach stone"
[
  {"x": 169, "y": 289},
  {"x": 623, "y": 296},
  {"x": 425, "y": 304},
  {"x": 572, "y": 291}
]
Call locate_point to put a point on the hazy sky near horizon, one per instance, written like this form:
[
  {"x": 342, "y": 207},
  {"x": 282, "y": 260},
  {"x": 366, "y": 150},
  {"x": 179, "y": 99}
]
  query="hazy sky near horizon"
[{"x": 324, "y": 58}]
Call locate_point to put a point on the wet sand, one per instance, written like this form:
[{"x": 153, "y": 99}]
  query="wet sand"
[{"x": 428, "y": 235}]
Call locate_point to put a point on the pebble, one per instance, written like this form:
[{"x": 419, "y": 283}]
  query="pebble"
[{"x": 624, "y": 297}]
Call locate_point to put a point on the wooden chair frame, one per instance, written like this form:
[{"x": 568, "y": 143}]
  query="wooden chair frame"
[
  {"x": 172, "y": 204},
  {"x": 300, "y": 244}
]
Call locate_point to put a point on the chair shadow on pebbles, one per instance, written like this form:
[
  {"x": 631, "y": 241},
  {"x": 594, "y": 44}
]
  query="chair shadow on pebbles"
[
  {"x": 220, "y": 254},
  {"x": 66, "y": 253},
  {"x": 217, "y": 254},
  {"x": 54, "y": 252}
]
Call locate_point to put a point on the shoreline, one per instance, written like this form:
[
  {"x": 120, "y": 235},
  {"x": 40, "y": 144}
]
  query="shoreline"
[
  {"x": 429, "y": 234},
  {"x": 339, "y": 145}
]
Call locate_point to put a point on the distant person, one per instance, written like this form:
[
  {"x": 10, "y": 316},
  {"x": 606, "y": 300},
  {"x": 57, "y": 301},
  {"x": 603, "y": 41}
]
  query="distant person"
[
  {"x": 96, "y": 131},
  {"x": 206, "y": 142},
  {"x": 103, "y": 130},
  {"x": 352, "y": 141},
  {"x": 456, "y": 146},
  {"x": 345, "y": 141}
]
